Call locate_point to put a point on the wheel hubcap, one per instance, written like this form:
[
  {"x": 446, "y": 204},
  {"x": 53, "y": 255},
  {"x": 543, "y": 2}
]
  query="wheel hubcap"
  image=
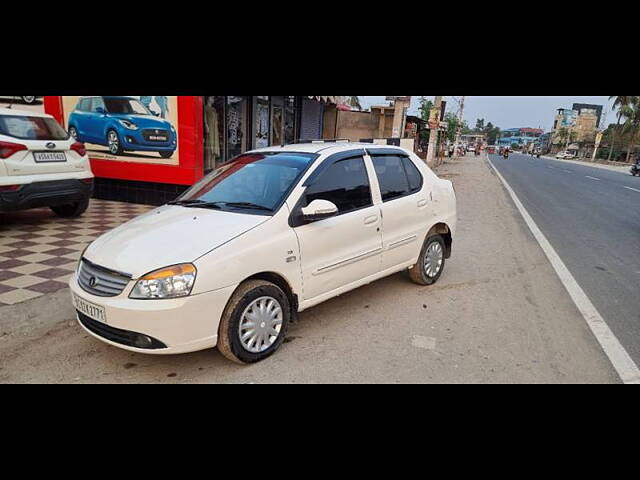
[
  {"x": 260, "y": 324},
  {"x": 433, "y": 259},
  {"x": 113, "y": 142}
]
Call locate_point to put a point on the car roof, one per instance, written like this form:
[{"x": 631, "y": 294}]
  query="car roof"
[
  {"x": 23, "y": 113},
  {"x": 325, "y": 147}
]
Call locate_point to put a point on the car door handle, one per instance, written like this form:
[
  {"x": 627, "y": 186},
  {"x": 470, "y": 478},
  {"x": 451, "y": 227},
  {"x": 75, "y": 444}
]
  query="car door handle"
[
  {"x": 370, "y": 219},
  {"x": 422, "y": 203}
]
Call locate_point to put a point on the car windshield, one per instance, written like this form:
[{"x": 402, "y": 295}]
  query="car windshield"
[
  {"x": 31, "y": 128},
  {"x": 126, "y": 106},
  {"x": 258, "y": 181}
]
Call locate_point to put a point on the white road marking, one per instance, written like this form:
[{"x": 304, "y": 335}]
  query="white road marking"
[
  {"x": 592, "y": 178},
  {"x": 634, "y": 189},
  {"x": 620, "y": 359},
  {"x": 567, "y": 171}
]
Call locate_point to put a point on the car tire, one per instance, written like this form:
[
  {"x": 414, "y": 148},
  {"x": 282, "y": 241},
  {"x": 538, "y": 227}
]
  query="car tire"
[
  {"x": 74, "y": 133},
  {"x": 430, "y": 264},
  {"x": 29, "y": 100},
  {"x": 113, "y": 143},
  {"x": 249, "y": 299},
  {"x": 72, "y": 210},
  {"x": 166, "y": 154}
]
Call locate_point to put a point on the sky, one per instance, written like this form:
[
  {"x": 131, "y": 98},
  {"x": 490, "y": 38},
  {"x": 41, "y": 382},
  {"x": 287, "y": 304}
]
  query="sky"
[{"x": 507, "y": 112}]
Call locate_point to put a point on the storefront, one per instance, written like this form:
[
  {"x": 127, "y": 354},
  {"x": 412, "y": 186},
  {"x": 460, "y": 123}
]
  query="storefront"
[{"x": 150, "y": 149}]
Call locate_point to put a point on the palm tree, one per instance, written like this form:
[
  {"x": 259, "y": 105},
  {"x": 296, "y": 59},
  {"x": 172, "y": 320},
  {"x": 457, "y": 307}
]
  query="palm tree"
[
  {"x": 631, "y": 113},
  {"x": 618, "y": 102},
  {"x": 355, "y": 102}
]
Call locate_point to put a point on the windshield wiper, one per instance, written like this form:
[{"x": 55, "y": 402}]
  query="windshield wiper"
[
  {"x": 196, "y": 203},
  {"x": 248, "y": 205}
]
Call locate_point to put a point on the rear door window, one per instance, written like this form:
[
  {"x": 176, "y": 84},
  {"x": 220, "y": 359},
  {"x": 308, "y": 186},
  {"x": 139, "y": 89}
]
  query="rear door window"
[
  {"x": 31, "y": 128},
  {"x": 391, "y": 176},
  {"x": 345, "y": 183},
  {"x": 413, "y": 174}
]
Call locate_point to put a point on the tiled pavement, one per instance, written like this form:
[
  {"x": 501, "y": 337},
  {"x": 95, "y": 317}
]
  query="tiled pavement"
[{"x": 39, "y": 251}]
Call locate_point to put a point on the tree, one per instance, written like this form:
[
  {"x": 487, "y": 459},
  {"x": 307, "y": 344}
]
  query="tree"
[
  {"x": 631, "y": 113},
  {"x": 618, "y": 103},
  {"x": 565, "y": 135},
  {"x": 425, "y": 112},
  {"x": 479, "y": 125}
]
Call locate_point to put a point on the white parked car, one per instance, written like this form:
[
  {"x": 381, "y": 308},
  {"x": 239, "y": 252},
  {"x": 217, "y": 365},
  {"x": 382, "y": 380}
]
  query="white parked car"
[
  {"x": 272, "y": 233},
  {"x": 566, "y": 155},
  {"x": 41, "y": 165}
]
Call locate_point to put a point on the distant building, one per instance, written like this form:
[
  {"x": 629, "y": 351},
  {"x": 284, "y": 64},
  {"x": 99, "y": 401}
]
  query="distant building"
[
  {"x": 519, "y": 136},
  {"x": 580, "y": 124},
  {"x": 587, "y": 108}
]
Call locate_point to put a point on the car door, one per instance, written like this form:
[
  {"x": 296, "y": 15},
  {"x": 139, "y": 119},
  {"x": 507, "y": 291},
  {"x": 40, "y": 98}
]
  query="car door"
[
  {"x": 343, "y": 249},
  {"x": 96, "y": 121},
  {"x": 405, "y": 207}
]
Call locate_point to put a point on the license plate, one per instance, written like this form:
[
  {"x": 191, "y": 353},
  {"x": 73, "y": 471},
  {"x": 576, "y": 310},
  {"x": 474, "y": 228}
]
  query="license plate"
[
  {"x": 42, "y": 157},
  {"x": 157, "y": 138},
  {"x": 91, "y": 310}
]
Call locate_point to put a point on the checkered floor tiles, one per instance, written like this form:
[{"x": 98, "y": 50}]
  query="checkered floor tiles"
[{"x": 39, "y": 251}]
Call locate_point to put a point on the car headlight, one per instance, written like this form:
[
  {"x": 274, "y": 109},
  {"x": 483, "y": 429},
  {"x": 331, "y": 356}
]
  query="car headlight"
[
  {"x": 128, "y": 124},
  {"x": 169, "y": 282}
]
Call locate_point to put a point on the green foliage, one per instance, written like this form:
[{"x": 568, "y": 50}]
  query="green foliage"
[{"x": 425, "y": 108}]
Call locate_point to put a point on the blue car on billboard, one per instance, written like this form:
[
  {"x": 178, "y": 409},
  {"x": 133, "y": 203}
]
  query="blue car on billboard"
[{"x": 121, "y": 124}]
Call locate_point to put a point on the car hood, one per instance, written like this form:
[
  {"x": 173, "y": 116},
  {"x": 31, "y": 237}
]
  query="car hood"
[
  {"x": 144, "y": 121},
  {"x": 167, "y": 235}
]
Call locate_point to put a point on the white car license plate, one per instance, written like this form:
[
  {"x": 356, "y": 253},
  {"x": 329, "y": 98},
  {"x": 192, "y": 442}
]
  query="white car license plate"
[
  {"x": 158, "y": 138},
  {"x": 91, "y": 310},
  {"x": 42, "y": 157}
]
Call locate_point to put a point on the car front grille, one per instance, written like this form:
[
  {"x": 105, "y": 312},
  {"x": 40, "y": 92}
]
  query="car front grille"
[
  {"x": 101, "y": 281},
  {"x": 149, "y": 134},
  {"x": 117, "y": 335}
]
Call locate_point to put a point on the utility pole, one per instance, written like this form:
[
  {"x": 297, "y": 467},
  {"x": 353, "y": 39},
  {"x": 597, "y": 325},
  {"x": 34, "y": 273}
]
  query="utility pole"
[{"x": 434, "y": 126}]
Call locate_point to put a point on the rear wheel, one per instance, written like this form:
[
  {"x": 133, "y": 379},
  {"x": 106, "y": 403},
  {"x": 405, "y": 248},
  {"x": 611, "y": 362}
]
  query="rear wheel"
[
  {"x": 430, "y": 264},
  {"x": 254, "y": 322},
  {"x": 28, "y": 100},
  {"x": 72, "y": 210},
  {"x": 165, "y": 154},
  {"x": 113, "y": 142},
  {"x": 74, "y": 133}
]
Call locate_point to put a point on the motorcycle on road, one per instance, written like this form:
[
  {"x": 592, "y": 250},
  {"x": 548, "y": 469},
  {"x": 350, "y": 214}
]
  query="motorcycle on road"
[{"x": 635, "y": 169}]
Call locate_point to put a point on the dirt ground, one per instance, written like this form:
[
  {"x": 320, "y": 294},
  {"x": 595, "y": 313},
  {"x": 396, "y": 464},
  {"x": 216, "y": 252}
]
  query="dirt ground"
[{"x": 498, "y": 314}]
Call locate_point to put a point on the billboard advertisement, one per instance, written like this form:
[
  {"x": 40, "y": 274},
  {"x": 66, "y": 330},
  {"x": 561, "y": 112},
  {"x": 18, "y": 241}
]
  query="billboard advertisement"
[
  {"x": 141, "y": 129},
  {"x": 568, "y": 118}
]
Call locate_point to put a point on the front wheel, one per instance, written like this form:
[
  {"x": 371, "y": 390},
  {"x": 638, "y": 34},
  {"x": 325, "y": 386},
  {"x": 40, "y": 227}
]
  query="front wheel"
[
  {"x": 113, "y": 142},
  {"x": 430, "y": 264},
  {"x": 166, "y": 154},
  {"x": 29, "y": 100},
  {"x": 254, "y": 322},
  {"x": 72, "y": 210}
]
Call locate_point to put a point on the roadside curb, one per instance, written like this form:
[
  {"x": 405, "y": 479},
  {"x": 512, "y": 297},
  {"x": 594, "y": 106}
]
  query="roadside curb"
[{"x": 627, "y": 370}]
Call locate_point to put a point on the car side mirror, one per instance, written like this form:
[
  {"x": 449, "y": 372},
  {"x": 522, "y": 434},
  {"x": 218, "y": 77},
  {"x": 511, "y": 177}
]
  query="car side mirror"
[
  {"x": 318, "y": 210},
  {"x": 100, "y": 110},
  {"x": 157, "y": 114}
]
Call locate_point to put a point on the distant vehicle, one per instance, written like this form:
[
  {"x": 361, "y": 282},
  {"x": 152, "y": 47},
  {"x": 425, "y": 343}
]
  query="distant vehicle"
[
  {"x": 27, "y": 100},
  {"x": 471, "y": 148},
  {"x": 121, "y": 124},
  {"x": 635, "y": 168},
  {"x": 41, "y": 165},
  {"x": 566, "y": 155}
]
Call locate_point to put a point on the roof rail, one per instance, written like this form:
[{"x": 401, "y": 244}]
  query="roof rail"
[{"x": 323, "y": 140}]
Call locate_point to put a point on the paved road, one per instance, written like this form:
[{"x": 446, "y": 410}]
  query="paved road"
[{"x": 591, "y": 217}]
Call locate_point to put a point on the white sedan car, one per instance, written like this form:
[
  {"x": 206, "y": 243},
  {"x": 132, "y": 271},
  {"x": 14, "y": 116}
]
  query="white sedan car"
[{"x": 271, "y": 233}]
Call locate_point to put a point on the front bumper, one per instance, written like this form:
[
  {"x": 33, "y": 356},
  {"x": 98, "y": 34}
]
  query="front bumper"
[
  {"x": 46, "y": 194},
  {"x": 176, "y": 325},
  {"x": 134, "y": 140}
]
